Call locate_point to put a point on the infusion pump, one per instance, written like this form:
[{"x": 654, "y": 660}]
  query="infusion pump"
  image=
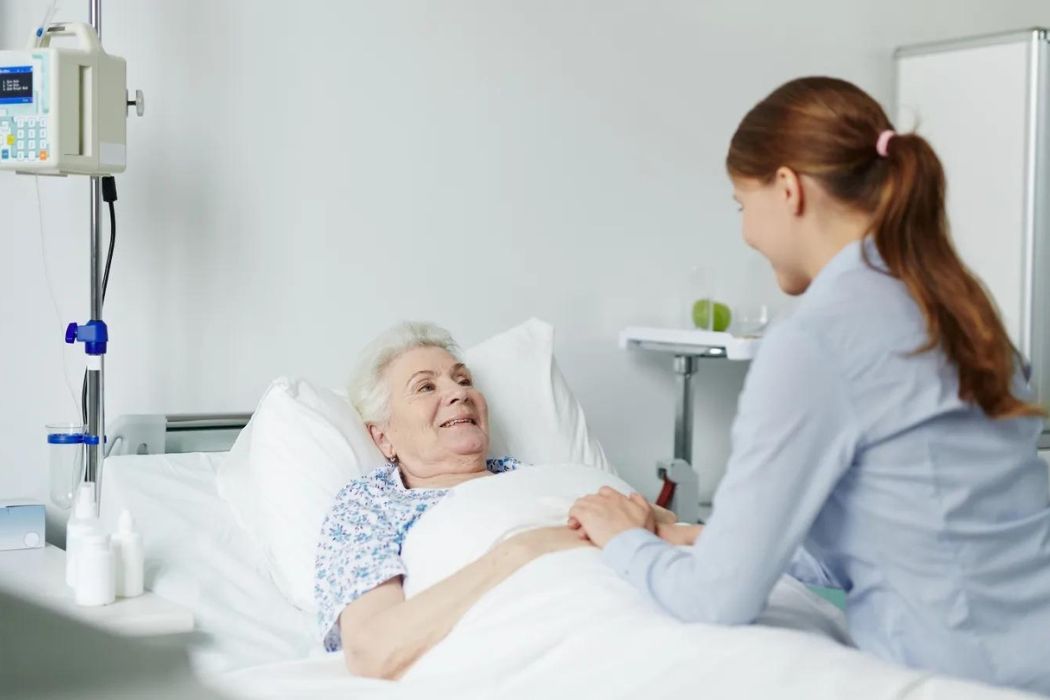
[{"x": 63, "y": 110}]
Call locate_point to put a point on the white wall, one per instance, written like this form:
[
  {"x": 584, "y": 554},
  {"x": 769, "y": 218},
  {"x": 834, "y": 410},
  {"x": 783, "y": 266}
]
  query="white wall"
[{"x": 307, "y": 176}]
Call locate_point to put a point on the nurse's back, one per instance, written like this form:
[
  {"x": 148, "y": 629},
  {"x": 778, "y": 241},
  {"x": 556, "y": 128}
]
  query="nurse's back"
[
  {"x": 909, "y": 421},
  {"x": 940, "y": 529}
]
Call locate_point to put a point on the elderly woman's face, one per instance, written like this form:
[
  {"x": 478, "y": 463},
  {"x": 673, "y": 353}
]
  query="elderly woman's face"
[{"x": 437, "y": 417}]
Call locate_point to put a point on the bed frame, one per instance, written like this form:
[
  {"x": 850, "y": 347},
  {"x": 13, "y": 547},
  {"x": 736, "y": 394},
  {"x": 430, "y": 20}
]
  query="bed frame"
[{"x": 154, "y": 433}]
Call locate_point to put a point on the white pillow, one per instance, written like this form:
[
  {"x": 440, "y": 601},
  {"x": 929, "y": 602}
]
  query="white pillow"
[
  {"x": 533, "y": 415},
  {"x": 305, "y": 442},
  {"x": 301, "y": 446}
]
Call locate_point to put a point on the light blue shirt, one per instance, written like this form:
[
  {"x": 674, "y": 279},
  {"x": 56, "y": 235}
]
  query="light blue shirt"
[{"x": 855, "y": 465}]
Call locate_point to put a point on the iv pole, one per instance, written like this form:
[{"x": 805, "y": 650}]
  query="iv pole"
[
  {"x": 96, "y": 425},
  {"x": 94, "y": 333}
]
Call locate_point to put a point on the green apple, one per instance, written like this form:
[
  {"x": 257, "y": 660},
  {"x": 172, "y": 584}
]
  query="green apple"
[{"x": 702, "y": 315}]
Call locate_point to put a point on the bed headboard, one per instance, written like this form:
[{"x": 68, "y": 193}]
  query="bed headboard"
[{"x": 176, "y": 433}]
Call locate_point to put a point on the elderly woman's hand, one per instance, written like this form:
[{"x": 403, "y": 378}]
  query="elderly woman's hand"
[
  {"x": 604, "y": 515},
  {"x": 663, "y": 516},
  {"x": 544, "y": 540}
]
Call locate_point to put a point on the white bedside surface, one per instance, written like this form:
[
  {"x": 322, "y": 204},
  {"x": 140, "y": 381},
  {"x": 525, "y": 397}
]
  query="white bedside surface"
[
  {"x": 40, "y": 575},
  {"x": 684, "y": 341}
]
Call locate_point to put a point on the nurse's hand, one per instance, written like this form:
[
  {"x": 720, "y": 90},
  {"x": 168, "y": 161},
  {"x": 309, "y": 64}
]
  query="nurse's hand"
[
  {"x": 604, "y": 515},
  {"x": 677, "y": 533}
]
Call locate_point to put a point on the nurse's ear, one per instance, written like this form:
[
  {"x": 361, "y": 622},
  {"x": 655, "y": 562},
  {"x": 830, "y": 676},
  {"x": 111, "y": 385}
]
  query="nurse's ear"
[{"x": 789, "y": 190}]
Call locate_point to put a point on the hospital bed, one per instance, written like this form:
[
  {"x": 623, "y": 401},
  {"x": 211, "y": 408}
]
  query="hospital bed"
[
  {"x": 539, "y": 634},
  {"x": 252, "y": 642}
]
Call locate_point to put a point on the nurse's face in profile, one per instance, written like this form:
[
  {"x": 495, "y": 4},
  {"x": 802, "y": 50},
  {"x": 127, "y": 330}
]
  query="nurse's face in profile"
[
  {"x": 773, "y": 224},
  {"x": 796, "y": 224}
]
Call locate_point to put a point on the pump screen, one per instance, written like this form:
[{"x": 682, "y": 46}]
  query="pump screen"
[{"x": 16, "y": 84}]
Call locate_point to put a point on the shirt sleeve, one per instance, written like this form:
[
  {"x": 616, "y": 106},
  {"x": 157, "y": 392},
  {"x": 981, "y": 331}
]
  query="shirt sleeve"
[
  {"x": 794, "y": 436},
  {"x": 358, "y": 549}
]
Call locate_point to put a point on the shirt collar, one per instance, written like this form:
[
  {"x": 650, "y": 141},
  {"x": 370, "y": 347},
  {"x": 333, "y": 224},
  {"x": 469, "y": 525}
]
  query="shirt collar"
[
  {"x": 849, "y": 258},
  {"x": 392, "y": 474}
]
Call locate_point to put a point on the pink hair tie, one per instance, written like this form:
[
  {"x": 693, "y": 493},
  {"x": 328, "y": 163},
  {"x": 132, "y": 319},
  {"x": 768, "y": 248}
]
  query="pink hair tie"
[{"x": 884, "y": 141}]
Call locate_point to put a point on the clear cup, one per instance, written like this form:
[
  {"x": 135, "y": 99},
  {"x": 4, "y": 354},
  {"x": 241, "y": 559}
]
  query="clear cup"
[
  {"x": 698, "y": 286},
  {"x": 749, "y": 320},
  {"x": 65, "y": 442},
  {"x": 752, "y": 311}
]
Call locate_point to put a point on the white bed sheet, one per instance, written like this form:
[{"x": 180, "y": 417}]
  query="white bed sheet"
[
  {"x": 567, "y": 626},
  {"x": 197, "y": 556},
  {"x": 594, "y": 663}
]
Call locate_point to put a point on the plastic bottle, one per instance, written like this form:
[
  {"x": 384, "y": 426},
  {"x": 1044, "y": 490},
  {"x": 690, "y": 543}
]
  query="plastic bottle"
[
  {"x": 95, "y": 571},
  {"x": 83, "y": 523},
  {"x": 127, "y": 549}
]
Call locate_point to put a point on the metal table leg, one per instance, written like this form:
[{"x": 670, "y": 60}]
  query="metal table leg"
[
  {"x": 678, "y": 472},
  {"x": 684, "y": 368}
]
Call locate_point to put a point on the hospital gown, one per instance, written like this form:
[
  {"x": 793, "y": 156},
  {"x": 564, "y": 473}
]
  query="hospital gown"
[
  {"x": 360, "y": 543},
  {"x": 933, "y": 518}
]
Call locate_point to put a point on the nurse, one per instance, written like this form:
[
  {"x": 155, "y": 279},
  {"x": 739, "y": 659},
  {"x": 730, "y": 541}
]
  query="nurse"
[{"x": 886, "y": 437}]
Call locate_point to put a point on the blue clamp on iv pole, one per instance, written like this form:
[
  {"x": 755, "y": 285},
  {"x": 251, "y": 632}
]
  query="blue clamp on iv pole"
[{"x": 93, "y": 334}]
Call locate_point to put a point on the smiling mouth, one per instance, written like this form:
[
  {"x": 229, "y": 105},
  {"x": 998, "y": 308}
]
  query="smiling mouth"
[{"x": 458, "y": 421}]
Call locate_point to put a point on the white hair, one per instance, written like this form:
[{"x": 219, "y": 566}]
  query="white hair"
[{"x": 368, "y": 389}]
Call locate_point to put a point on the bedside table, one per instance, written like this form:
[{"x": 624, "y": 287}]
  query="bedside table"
[
  {"x": 39, "y": 575},
  {"x": 687, "y": 346}
]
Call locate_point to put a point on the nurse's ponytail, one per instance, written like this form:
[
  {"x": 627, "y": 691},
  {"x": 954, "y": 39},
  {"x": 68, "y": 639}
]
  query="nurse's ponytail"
[{"x": 836, "y": 133}]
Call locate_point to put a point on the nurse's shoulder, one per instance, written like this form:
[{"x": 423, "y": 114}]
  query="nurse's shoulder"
[{"x": 860, "y": 313}]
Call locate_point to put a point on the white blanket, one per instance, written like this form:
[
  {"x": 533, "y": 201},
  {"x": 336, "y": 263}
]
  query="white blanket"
[{"x": 567, "y": 626}]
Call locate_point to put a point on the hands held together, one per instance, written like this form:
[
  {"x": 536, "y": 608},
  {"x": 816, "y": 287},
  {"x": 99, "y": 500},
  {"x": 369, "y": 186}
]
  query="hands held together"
[
  {"x": 603, "y": 515},
  {"x": 596, "y": 519}
]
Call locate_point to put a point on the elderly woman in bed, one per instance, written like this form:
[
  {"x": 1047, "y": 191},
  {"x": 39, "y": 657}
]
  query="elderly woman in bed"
[{"x": 428, "y": 420}]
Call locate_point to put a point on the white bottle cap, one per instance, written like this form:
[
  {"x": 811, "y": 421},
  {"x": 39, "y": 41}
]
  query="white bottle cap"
[
  {"x": 85, "y": 507},
  {"x": 125, "y": 523}
]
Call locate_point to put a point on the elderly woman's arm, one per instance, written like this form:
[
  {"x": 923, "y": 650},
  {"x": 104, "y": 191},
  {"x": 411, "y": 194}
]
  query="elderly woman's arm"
[{"x": 383, "y": 634}]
